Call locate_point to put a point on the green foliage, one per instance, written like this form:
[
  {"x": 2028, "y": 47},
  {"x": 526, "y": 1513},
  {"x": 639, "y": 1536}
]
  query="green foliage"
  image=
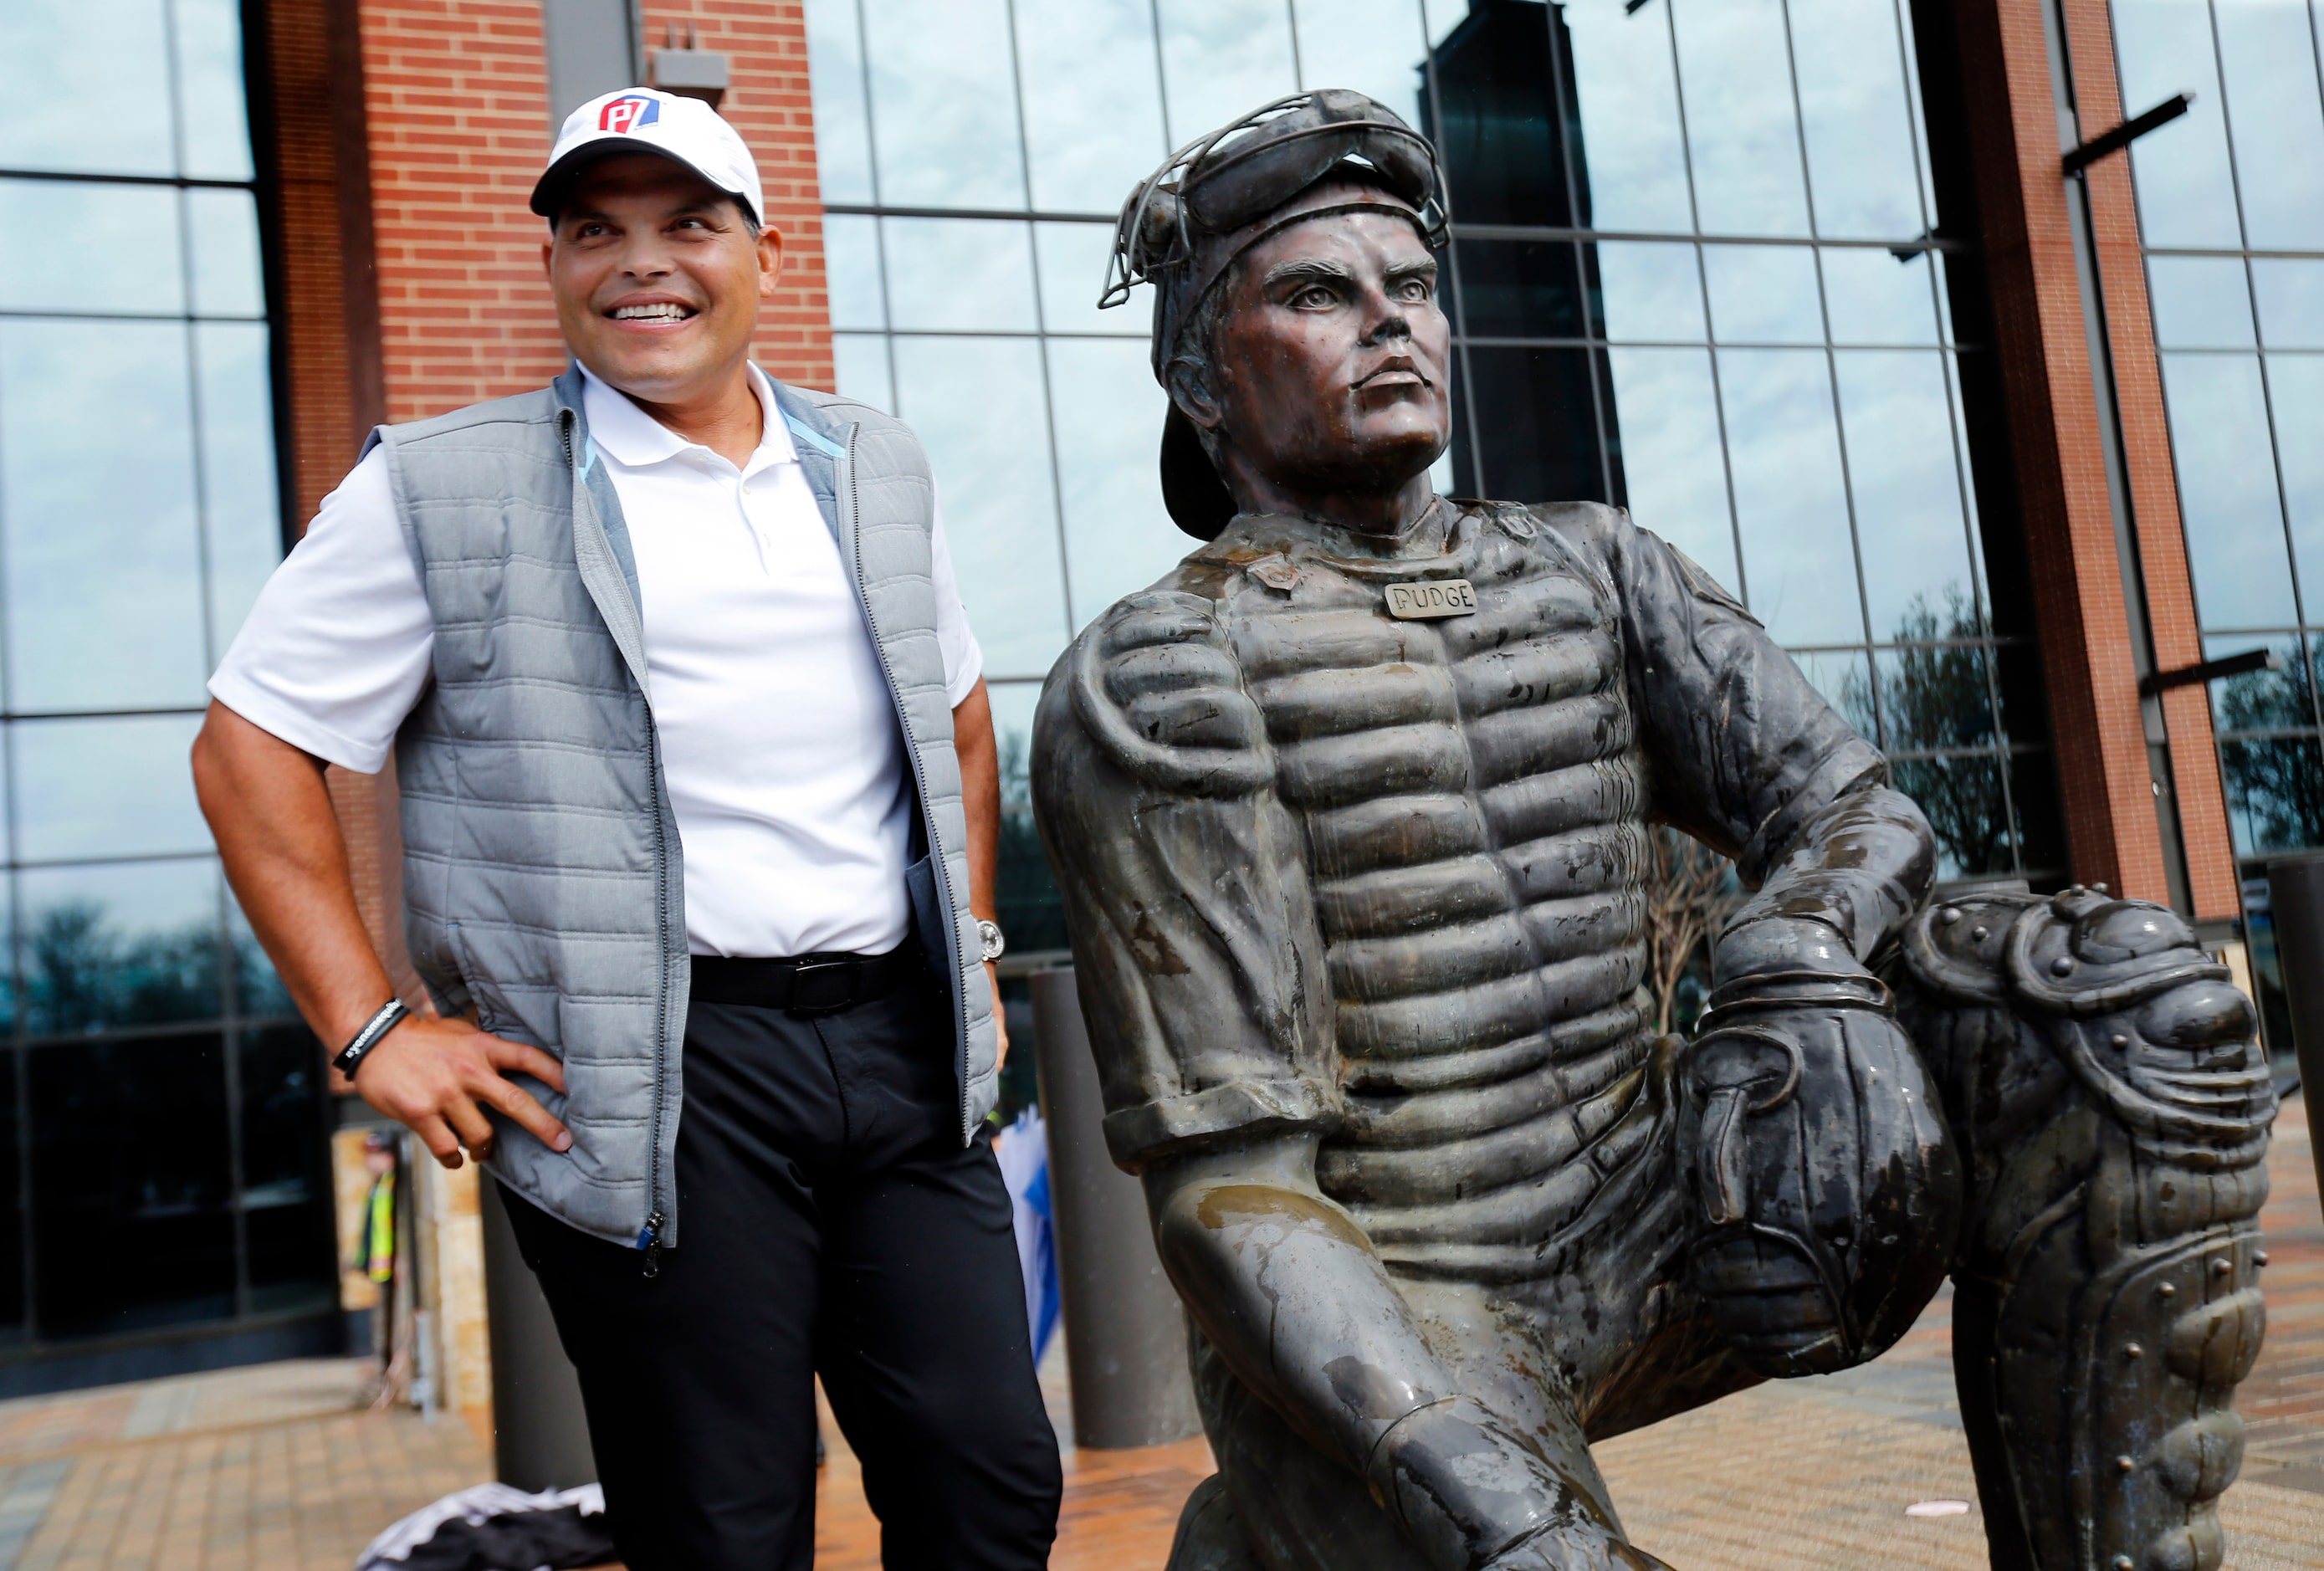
[
  {"x": 82, "y": 972},
  {"x": 2275, "y": 781},
  {"x": 1935, "y": 698}
]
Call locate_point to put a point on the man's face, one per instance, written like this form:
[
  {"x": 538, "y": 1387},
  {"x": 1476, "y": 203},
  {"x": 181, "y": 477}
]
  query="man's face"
[
  {"x": 658, "y": 277},
  {"x": 1330, "y": 354}
]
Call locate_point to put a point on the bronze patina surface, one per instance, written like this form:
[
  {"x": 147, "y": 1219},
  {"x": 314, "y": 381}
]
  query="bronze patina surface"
[{"x": 1349, "y": 813}]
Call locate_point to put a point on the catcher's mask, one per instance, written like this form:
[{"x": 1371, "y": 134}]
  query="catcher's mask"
[{"x": 1224, "y": 193}]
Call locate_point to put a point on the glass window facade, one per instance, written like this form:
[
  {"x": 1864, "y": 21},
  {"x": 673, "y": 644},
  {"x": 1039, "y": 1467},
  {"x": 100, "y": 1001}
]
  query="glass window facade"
[
  {"x": 1698, "y": 271},
  {"x": 163, "y": 1165},
  {"x": 2231, "y": 213}
]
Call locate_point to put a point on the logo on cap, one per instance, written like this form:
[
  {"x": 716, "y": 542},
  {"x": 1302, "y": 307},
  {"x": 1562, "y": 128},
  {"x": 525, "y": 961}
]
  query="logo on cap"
[{"x": 629, "y": 112}]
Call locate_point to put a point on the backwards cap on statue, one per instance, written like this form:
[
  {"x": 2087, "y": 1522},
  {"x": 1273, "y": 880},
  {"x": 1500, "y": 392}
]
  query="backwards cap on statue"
[
  {"x": 1349, "y": 814},
  {"x": 1317, "y": 155}
]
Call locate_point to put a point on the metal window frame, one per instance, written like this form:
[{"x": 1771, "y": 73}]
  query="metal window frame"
[
  {"x": 229, "y": 1027},
  {"x": 1595, "y": 341}
]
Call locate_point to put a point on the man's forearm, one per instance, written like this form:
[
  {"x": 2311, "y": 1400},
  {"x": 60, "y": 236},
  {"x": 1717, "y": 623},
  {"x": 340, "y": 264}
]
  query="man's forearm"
[
  {"x": 271, "y": 815},
  {"x": 284, "y": 854},
  {"x": 980, "y": 795}
]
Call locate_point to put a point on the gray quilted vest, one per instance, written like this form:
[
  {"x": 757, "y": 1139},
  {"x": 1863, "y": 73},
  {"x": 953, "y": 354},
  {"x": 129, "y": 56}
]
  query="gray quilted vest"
[{"x": 542, "y": 880}]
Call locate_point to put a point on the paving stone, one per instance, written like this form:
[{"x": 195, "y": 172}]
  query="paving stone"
[{"x": 277, "y": 1468}]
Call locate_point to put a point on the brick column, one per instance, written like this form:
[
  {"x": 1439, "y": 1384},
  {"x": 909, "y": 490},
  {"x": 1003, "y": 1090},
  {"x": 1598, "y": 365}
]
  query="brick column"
[
  {"x": 2152, "y": 481},
  {"x": 309, "y": 125},
  {"x": 315, "y": 176},
  {"x": 2059, "y": 440},
  {"x": 456, "y": 92}
]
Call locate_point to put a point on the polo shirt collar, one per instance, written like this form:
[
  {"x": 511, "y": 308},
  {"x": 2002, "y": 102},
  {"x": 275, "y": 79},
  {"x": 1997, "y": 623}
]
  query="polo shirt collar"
[{"x": 632, "y": 438}]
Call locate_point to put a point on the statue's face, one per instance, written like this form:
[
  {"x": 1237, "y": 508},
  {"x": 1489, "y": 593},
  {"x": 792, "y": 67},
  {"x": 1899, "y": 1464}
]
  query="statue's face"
[{"x": 1331, "y": 357}]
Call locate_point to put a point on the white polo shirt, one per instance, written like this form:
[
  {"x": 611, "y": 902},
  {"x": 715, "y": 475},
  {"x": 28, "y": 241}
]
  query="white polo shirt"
[{"x": 781, "y": 748}]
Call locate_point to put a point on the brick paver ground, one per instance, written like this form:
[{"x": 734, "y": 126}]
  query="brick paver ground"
[{"x": 277, "y": 1468}]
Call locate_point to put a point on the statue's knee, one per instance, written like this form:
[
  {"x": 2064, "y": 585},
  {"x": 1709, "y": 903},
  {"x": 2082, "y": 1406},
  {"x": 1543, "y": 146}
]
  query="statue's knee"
[
  {"x": 2082, "y": 1008},
  {"x": 1824, "y": 1172},
  {"x": 2113, "y": 1109}
]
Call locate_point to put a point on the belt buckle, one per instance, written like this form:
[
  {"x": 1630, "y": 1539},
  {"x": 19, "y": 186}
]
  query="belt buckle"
[{"x": 821, "y": 987}]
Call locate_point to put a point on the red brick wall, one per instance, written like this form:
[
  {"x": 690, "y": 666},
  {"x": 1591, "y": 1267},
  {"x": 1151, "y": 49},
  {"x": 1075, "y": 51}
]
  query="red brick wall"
[
  {"x": 312, "y": 133},
  {"x": 457, "y": 97}
]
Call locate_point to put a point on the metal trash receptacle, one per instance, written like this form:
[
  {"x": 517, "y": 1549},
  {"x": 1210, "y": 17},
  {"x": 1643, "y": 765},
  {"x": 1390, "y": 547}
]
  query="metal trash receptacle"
[
  {"x": 541, "y": 1436},
  {"x": 2295, "y": 899},
  {"x": 1125, "y": 1333}
]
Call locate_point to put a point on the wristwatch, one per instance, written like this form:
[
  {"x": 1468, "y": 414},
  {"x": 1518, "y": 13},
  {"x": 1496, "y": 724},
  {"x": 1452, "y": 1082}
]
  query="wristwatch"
[{"x": 994, "y": 944}]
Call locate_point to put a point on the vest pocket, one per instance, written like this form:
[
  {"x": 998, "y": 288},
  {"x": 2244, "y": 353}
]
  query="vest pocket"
[
  {"x": 930, "y": 920},
  {"x": 455, "y": 940}
]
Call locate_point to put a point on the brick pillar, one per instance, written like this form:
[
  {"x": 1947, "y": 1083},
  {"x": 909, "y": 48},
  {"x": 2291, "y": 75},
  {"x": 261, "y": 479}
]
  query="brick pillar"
[
  {"x": 456, "y": 94},
  {"x": 2152, "y": 479},
  {"x": 2020, "y": 86},
  {"x": 315, "y": 182}
]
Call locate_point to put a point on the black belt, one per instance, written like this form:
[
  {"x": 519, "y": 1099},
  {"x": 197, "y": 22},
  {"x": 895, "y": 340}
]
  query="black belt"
[{"x": 822, "y": 983}]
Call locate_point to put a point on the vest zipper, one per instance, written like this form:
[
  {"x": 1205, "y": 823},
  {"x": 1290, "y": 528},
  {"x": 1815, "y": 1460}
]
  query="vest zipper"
[
  {"x": 957, "y": 989},
  {"x": 650, "y": 1236},
  {"x": 651, "y": 1239}
]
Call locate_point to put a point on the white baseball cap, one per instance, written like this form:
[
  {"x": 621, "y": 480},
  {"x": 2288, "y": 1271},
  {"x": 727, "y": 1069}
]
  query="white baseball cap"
[{"x": 686, "y": 131}]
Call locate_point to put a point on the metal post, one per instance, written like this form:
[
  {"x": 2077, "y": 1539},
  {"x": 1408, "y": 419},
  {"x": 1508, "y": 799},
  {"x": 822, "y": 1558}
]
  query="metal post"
[
  {"x": 1125, "y": 1333},
  {"x": 541, "y": 1436},
  {"x": 2295, "y": 901}
]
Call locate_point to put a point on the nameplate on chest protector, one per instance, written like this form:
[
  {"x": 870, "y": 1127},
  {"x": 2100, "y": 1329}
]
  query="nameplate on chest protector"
[{"x": 1437, "y": 597}]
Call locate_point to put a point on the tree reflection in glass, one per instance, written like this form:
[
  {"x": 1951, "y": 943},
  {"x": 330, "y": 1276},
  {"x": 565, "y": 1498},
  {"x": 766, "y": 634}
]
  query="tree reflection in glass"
[
  {"x": 1936, "y": 709},
  {"x": 2270, "y": 755}
]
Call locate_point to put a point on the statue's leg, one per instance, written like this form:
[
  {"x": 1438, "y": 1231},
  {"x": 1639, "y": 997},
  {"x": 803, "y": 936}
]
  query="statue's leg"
[{"x": 2113, "y": 1110}]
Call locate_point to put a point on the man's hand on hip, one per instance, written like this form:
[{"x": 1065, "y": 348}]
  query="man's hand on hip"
[
  {"x": 999, "y": 1019},
  {"x": 437, "y": 1077}
]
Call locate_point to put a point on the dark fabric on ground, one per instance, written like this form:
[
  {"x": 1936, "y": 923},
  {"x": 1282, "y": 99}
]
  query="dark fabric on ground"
[
  {"x": 562, "y": 1539},
  {"x": 831, "y": 1221}
]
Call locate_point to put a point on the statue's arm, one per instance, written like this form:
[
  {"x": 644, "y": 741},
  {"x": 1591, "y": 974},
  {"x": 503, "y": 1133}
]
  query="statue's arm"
[
  {"x": 1753, "y": 760},
  {"x": 1287, "y": 1289}
]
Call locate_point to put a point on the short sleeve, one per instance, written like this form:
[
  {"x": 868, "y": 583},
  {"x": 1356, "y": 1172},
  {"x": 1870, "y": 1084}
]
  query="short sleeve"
[
  {"x": 335, "y": 652},
  {"x": 964, "y": 660},
  {"x": 1196, "y": 951}
]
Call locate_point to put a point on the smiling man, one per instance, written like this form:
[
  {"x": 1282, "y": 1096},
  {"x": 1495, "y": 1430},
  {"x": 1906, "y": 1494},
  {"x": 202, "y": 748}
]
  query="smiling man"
[{"x": 700, "y": 815}]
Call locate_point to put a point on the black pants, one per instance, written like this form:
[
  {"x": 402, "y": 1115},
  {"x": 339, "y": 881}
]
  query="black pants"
[{"x": 829, "y": 1220}]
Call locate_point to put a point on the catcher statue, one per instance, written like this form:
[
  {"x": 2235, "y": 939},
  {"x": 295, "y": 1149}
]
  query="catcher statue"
[{"x": 1350, "y": 812}]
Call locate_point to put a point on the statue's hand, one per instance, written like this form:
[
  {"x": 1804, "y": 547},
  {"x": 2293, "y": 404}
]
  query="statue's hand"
[
  {"x": 1156, "y": 684},
  {"x": 1827, "y": 1184},
  {"x": 1473, "y": 1493}
]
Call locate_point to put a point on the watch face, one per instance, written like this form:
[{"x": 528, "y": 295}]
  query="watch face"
[{"x": 993, "y": 945}]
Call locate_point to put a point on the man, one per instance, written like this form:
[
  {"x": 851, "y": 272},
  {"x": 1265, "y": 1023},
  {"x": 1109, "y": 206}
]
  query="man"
[
  {"x": 700, "y": 815},
  {"x": 1350, "y": 815}
]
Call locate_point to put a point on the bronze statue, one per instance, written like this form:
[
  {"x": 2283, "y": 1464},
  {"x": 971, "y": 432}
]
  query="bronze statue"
[{"x": 1348, "y": 812}]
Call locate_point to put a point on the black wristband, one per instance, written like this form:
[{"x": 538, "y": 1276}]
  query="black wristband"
[{"x": 390, "y": 1014}]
